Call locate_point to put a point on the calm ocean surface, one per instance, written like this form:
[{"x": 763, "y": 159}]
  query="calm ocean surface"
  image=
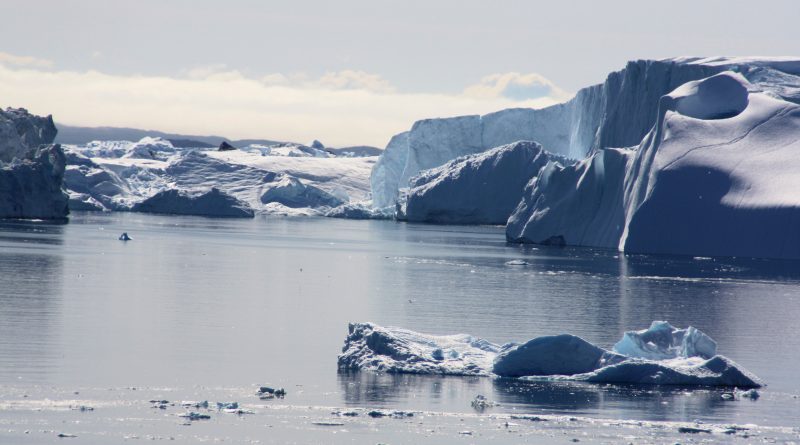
[{"x": 197, "y": 305}]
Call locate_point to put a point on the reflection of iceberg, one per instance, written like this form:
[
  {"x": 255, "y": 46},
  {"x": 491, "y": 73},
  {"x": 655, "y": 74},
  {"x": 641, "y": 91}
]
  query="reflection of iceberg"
[{"x": 659, "y": 355}]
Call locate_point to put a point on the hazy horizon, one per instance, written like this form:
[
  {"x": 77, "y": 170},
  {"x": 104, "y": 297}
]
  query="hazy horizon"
[{"x": 348, "y": 73}]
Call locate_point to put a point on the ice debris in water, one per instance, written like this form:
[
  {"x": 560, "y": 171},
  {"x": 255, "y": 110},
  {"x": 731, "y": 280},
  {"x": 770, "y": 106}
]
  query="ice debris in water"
[
  {"x": 480, "y": 403},
  {"x": 194, "y": 404},
  {"x": 517, "y": 263},
  {"x": 191, "y": 415},
  {"x": 751, "y": 394},
  {"x": 267, "y": 392},
  {"x": 227, "y": 405},
  {"x": 661, "y": 355},
  {"x": 124, "y": 237}
]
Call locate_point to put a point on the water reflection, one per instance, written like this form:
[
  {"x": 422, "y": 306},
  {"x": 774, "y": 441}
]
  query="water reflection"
[
  {"x": 657, "y": 402},
  {"x": 30, "y": 282},
  {"x": 408, "y": 391}
]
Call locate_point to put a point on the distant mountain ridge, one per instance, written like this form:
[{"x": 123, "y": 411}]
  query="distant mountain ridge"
[{"x": 68, "y": 134}]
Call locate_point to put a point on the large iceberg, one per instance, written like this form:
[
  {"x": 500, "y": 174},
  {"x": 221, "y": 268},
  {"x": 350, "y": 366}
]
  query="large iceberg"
[
  {"x": 715, "y": 175},
  {"x": 617, "y": 113},
  {"x": 661, "y": 355},
  {"x": 31, "y": 167},
  {"x": 482, "y": 188}
]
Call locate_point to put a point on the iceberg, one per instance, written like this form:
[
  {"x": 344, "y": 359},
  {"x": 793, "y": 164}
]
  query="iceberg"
[
  {"x": 660, "y": 355},
  {"x": 715, "y": 176},
  {"x": 466, "y": 190},
  {"x": 616, "y": 113},
  {"x": 213, "y": 202},
  {"x": 31, "y": 167}
]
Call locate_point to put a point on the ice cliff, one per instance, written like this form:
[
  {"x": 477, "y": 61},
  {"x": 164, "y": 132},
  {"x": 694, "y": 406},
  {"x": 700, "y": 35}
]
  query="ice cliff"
[
  {"x": 715, "y": 175},
  {"x": 661, "y": 354},
  {"x": 31, "y": 167}
]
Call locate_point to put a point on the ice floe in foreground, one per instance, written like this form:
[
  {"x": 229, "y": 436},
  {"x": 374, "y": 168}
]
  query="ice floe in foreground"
[{"x": 660, "y": 355}]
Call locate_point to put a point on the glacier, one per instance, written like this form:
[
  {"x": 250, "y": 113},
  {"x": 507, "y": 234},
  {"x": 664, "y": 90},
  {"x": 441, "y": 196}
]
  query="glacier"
[
  {"x": 715, "y": 175},
  {"x": 659, "y": 355},
  {"x": 467, "y": 189},
  {"x": 31, "y": 167},
  {"x": 153, "y": 175}
]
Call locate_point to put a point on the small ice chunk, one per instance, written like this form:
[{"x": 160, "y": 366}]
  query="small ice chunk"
[
  {"x": 480, "y": 403},
  {"x": 191, "y": 415},
  {"x": 124, "y": 237},
  {"x": 195, "y": 404},
  {"x": 751, "y": 394},
  {"x": 517, "y": 263}
]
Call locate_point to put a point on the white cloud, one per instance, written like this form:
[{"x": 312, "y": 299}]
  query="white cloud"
[
  {"x": 24, "y": 61},
  {"x": 355, "y": 80},
  {"x": 341, "y": 108},
  {"x": 516, "y": 86}
]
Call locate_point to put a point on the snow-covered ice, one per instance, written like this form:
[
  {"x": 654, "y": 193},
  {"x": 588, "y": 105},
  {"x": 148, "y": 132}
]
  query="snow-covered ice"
[
  {"x": 287, "y": 179},
  {"x": 376, "y": 348},
  {"x": 660, "y": 355}
]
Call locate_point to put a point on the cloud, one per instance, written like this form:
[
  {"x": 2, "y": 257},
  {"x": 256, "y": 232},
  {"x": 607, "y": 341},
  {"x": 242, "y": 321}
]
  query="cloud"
[
  {"x": 355, "y": 80},
  {"x": 24, "y": 61},
  {"x": 516, "y": 86},
  {"x": 339, "y": 108}
]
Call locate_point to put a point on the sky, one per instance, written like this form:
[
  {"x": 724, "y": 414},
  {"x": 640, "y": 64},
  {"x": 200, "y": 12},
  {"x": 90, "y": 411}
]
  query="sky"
[{"x": 348, "y": 72}]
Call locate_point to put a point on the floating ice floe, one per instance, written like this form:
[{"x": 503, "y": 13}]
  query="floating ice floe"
[{"x": 660, "y": 355}]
